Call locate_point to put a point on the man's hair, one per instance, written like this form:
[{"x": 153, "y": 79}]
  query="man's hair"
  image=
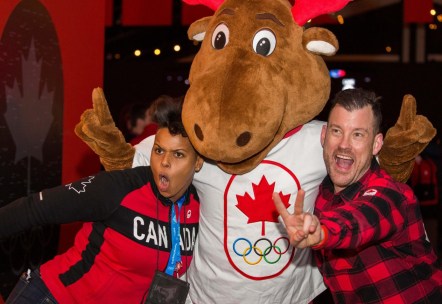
[
  {"x": 168, "y": 115},
  {"x": 354, "y": 99},
  {"x": 159, "y": 101}
]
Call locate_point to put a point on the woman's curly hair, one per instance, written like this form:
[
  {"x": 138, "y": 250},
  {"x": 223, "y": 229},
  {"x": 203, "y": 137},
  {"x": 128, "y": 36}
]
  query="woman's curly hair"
[{"x": 168, "y": 115}]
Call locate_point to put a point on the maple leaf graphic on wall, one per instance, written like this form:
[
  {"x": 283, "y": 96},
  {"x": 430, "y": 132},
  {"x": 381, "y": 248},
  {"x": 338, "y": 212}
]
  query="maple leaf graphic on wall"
[
  {"x": 29, "y": 116},
  {"x": 261, "y": 208}
]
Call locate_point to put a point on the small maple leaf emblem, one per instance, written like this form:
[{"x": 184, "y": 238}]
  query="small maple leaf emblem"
[
  {"x": 80, "y": 186},
  {"x": 261, "y": 209}
]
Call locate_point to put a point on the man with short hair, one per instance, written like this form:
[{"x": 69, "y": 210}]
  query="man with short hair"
[{"x": 367, "y": 231}]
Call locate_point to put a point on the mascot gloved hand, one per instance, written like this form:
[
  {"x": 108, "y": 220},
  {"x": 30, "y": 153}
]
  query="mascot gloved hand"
[
  {"x": 405, "y": 140},
  {"x": 97, "y": 129}
]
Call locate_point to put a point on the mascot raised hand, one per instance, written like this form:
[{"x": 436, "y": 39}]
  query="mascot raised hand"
[{"x": 256, "y": 83}]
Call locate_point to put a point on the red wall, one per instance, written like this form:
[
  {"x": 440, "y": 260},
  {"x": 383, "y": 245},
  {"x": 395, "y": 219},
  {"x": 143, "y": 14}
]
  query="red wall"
[
  {"x": 79, "y": 26},
  {"x": 80, "y": 30}
]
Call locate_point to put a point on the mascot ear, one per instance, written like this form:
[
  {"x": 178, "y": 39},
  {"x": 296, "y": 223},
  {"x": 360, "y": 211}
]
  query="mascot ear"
[
  {"x": 320, "y": 41},
  {"x": 197, "y": 30}
]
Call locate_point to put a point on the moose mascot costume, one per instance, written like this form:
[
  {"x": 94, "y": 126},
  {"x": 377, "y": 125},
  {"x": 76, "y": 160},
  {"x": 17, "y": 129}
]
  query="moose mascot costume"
[{"x": 256, "y": 84}]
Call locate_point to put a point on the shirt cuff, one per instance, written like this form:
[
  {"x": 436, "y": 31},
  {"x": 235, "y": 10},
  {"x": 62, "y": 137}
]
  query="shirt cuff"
[{"x": 322, "y": 243}]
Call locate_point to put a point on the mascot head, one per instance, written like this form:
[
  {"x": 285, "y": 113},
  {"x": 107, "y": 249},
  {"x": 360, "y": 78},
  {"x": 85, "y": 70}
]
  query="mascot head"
[{"x": 258, "y": 75}]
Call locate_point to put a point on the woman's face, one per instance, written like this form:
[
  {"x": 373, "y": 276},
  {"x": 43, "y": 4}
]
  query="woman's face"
[{"x": 174, "y": 162}]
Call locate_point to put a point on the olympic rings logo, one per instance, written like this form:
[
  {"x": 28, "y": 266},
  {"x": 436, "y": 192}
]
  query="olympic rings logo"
[{"x": 259, "y": 252}]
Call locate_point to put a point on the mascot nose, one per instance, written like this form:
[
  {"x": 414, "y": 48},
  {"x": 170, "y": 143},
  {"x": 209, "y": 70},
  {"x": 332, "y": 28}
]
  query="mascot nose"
[
  {"x": 241, "y": 140},
  {"x": 198, "y": 132}
]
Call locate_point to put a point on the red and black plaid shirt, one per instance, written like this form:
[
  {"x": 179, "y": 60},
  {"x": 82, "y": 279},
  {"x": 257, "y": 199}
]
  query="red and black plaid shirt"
[{"x": 377, "y": 251}]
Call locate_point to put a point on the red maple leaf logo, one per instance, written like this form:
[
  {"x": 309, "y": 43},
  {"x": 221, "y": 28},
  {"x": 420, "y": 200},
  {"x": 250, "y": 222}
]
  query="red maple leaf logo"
[{"x": 261, "y": 209}]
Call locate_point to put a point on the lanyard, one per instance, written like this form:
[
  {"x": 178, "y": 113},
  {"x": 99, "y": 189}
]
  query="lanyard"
[{"x": 175, "y": 253}]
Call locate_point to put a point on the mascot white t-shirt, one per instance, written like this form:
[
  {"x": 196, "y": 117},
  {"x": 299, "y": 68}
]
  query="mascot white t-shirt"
[{"x": 242, "y": 253}]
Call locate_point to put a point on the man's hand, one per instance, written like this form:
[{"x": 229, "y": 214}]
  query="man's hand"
[{"x": 304, "y": 229}]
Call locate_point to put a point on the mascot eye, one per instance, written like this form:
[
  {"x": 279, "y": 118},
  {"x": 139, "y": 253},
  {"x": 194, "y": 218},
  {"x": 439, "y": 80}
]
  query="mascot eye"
[
  {"x": 264, "y": 42},
  {"x": 220, "y": 37}
]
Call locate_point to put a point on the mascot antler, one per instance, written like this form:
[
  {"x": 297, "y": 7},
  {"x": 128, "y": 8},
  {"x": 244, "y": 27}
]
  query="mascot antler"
[
  {"x": 212, "y": 4},
  {"x": 302, "y": 11}
]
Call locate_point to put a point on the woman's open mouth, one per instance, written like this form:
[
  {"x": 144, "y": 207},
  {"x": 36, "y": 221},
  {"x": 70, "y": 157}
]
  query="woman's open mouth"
[{"x": 163, "y": 183}]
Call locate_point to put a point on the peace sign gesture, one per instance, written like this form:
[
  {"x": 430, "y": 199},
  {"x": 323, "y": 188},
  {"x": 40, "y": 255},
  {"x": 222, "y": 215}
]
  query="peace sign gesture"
[{"x": 303, "y": 228}]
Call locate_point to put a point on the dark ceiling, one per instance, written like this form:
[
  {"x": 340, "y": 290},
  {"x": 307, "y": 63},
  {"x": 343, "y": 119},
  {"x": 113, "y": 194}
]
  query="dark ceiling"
[{"x": 369, "y": 27}]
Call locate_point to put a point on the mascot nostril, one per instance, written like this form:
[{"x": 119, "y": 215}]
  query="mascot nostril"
[
  {"x": 198, "y": 132},
  {"x": 243, "y": 139}
]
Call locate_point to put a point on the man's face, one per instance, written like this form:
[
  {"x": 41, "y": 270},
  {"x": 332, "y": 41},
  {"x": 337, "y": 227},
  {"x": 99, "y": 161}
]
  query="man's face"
[
  {"x": 349, "y": 144},
  {"x": 174, "y": 162}
]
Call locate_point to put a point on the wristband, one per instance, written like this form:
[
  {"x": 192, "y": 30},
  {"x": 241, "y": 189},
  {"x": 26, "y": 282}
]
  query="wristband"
[{"x": 321, "y": 244}]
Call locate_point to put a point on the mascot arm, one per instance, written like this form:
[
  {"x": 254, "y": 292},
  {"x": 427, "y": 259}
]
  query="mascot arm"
[
  {"x": 405, "y": 140},
  {"x": 97, "y": 129},
  {"x": 142, "y": 152}
]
